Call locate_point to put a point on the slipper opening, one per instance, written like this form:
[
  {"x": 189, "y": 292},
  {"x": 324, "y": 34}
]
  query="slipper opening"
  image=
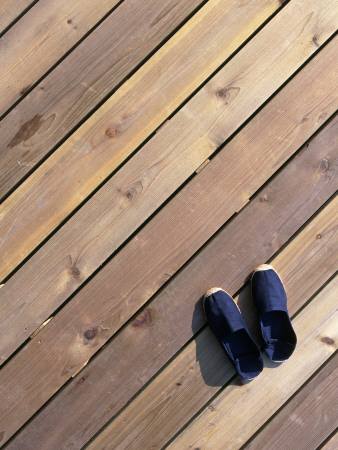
[
  {"x": 246, "y": 354},
  {"x": 278, "y": 334}
]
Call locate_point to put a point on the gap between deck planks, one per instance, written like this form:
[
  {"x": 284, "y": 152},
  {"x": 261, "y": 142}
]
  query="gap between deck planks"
[
  {"x": 218, "y": 427},
  {"x": 62, "y": 182},
  {"x": 37, "y": 284},
  {"x": 61, "y": 265},
  {"x": 201, "y": 369},
  {"x": 57, "y": 270},
  {"x": 40, "y": 38},
  {"x": 96, "y": 67},
  {"x": 147, "y": 340},
  {"x": 308, "y": 419},
  {"x": 331, "y": 444},
  {"x": 10, "y": 10}
]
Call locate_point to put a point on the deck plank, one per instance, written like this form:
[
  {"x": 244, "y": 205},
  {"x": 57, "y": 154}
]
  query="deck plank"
[
  {"x": 40, "y": 38},
  {"x": 85, "y": 159},
  {"x": 201, "y": 369},
  {"x": 308, "y": 419},
  {"x": 62, "y": 265},
  {"x": 151, "y": 339},
  {"x": 128, "y": 361},
  {"x": 218, "y": 427},
  {"x": 10, "y": 10},
  {"x": 331, "y": 444},
  {"x": 74, "y": 88}
]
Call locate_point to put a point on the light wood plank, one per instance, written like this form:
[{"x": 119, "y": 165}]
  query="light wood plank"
[
  {"x": 64, "y": 262},
  {"x": 40, "y": 38},
  {"x": 10, "y": 10},
  {"x": 211, "y": 116},
  {"x": 197, "y": 374},
  {"x": 162, "y": 328},
  {"x": 81, "y": 81},
  {"x": 307, "y": 420},
  {"x": 218, "y": 427},
  {"x": 332, "y": 444}
]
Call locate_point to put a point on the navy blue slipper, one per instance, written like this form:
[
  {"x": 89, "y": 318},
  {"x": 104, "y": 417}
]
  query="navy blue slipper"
[
  {"x": 227, "y": 323},
  {"x": 269, "y": 297}
]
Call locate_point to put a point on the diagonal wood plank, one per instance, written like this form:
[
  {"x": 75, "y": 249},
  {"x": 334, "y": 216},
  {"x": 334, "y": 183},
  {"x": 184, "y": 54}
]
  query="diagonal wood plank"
[
  {"x": 10, "y": 10},
  {"x": 75, "y": 169},
  {"x": 307, "y": 420},
  {"x": 198, "y": 372},
  {"x": 64, "y": 262},
  {"x": 62, "y": 265},
  {"x": 151, "y": 338},
  {"x": 331, "y": 444},
  {"x": 40, "y": 38},
  {"x": 218, "y": 427},
  {"x": 38, "y": 123},
  {"x": 181, "y": 61}
]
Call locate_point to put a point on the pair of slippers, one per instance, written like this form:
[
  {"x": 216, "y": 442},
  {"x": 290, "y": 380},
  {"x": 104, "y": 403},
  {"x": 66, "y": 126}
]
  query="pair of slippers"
[{"x": 227, "y": 323}]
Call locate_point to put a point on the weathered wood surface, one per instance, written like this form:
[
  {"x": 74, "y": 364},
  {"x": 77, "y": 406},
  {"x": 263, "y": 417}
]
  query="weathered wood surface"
[
  {"x": 159, "y": 331},
  {"x": 218, "y": 427},
  {"x": 307, "y": 420},
  {"x": 96, "y": 67},
  {"x": 89, "y": 155},
  {"x": 40, "y": 38},
  {"x": 201, "y": 369},
  {"x": 10, "y": 10},
  {"x": 117, "y": 364},
  {"x": 73, "y": 253}
]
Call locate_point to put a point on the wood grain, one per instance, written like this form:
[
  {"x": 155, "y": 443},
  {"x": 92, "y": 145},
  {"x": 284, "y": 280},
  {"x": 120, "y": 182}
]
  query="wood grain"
[
  {"x": 92, "y": 70},
  {"x": 109, "y": 136},
  {"x": 307, "y": 420},
  {"x": 201, "y": 369},
  {"x": 40, "y": 38},
  {"x": 218, "y": 427},
  {"x": 153, "y": 336},
  {"x": 74, "y": 252},
  {"x": 10, "y": 10}
]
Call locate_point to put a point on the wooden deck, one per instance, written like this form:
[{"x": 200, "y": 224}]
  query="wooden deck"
[{"x": 151, "y": 150}]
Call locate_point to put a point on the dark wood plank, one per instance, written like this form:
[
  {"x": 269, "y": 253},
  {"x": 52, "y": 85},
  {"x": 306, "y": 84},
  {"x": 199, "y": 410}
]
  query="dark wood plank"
[
  {"x": 170, "y": 319},
  {"x": 65, "y": 262},
  {"x": 81, "y": 81},
  {"x": 63, "y": 181},
  {"x": 219, "y": 426},
  {"x": 192, "y": 379},
  {"x": 40, "y": 38},
  {"x": 308, "y": 419},
  {"x": 10, "y": 10}
]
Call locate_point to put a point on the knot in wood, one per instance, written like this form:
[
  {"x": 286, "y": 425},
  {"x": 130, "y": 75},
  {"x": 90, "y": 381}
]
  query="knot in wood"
[
  {"x": 324, "y": 164},
  {"x": 25, "y": 89},
  {"x": 227, "y": 93},
  {"x": 129, "y": 195},
  {"x": 327, "y": 340},
  {"x": 144, "y": 319},
  {"x": 82, "y": 379},
  {"x": 111, "y": 133},
  {"x": 315, "y": 40},
  {"x": 74, "y": 271},
  {"x": 222, "y": 93},
  {"x": 90, "y": 334}
]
